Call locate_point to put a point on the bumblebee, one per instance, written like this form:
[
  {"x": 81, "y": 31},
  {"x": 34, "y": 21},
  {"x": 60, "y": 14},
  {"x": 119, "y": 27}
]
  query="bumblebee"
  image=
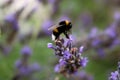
[{"x": 63, "y": 27}]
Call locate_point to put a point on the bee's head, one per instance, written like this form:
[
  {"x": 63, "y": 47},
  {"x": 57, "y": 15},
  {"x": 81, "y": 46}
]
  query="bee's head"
[{"x": 66, "y": 23}]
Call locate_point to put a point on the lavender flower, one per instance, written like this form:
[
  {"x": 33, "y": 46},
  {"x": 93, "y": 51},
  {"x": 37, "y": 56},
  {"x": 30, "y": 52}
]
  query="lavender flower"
[
  {"x": 81, "y": 49},
  {"x": 84, "y": 62},
  {"x": 35, "y": 67},
  {"x": 11, "y": 26},
  {"x": 116, "y": 15},
  {"x": 50, "y": 45},
  {"x": 101, "y": 42},
  {"x": 11, "y": 19},
  {"x": 23, "y": 68},
  {"x": 73, "y": 38},
  {"x": 24, "y": 71},
  {"x": 6, "y": 49},
  {"x": 26, "y": 51},
  {"x": 115, "y": 75},
  {"x": 111, "y": 31},
  {"x": 96, "y": 42},
  {"x": 57, "y": 69},
  {"x": 82, "y": 75},
  {"x": 18, "y": 63},
  {"x": 86, "y": 19},
  {"x": 93, "y": 32},
  {"x": 70, "y": 59}
]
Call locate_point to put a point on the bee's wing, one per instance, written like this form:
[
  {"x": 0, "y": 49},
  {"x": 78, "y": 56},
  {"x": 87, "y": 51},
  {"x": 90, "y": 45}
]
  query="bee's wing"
[{"x": 53, "y": 27}]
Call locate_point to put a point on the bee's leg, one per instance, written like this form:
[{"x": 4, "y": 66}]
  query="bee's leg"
[
  {"x": 57, "y": 37},
  {"x": 67, "y": 36}
]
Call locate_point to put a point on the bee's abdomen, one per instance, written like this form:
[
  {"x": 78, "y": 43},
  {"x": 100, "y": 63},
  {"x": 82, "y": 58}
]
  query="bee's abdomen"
[
  {"x": 57, "y": 32},
  {"x": 55, "y": 35}
]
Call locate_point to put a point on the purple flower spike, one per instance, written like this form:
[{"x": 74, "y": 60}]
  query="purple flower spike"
[
  {"x": 84, "y": 62},
  {"x": 72, "y": 37},
  {"x": 93, "y": 32},
  {"x": 11, "y": 18},
  {"x": 116, "y": 15},
  {"x": 114, "y": 76},
  {"x": 18, "y": 63},
  {"x": 35, "y": 67},
  {"x": 25, "y": 71},
  {"x": 86, "y": 19},
  {"x": 50, "y": 45},
  {"x": 119, "y": 67},
  {"x": 67, "y": 55},
  {"x": 70, "y": 60},
  {"x": 100, "y": 52},
  {"x": 26, "y": 51},
  {"x": 62, "y": 62},
  {"x": 81, "y": 49},
  {"x": 69, "y": 44},
  {"x": 57, "y": 68},
  {"x": 82, "y": 75},
  {"x": 110, "y": 31},
  {"x": 115, "y": 43}
]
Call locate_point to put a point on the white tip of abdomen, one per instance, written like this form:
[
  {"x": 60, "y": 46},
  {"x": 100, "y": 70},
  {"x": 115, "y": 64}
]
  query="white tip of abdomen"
[{"x": 53, "y": 37}]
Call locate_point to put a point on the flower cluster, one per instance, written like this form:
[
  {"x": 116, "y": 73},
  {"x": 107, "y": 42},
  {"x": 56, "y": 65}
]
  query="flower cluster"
[
  {"x": 101, "y": 41},
  {"x": 24, "y": 70},
  {"x": 115, "y": 75},
  {"x": 10, "y": 28},
  {"x": 70, "y": 59},
  {"x": 82, "y": 75}
]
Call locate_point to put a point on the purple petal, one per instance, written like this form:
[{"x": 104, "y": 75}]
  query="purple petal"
[
  {"x": 114, "y": 75},
  {"x": 25, "y": 71},
  {"x": 67, "y": 55},
  {"x": 96, "y": 42},
  {"x": 84, "y": 62},
  {"x": 116, "y": 15},
  {"x": 50, "y": 45},
  {"x": 35, "y": 67},
  {"x": 18, "y": 63},
  {"x": 93, "y": 32},
  {"x": 11, "y": 18},
  {"x": 57, "y": 68},
  {"x": 110, "y": 31},
  {"x": 86, "y": 18},
  {"x": 100, "y": 52},
  {"x": 81, "y": 49},
  {"x": 26, "y": 50}
]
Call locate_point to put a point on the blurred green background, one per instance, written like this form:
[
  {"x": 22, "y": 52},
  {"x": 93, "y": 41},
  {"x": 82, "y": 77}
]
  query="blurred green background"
[{"x": 99, "y": 14}]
